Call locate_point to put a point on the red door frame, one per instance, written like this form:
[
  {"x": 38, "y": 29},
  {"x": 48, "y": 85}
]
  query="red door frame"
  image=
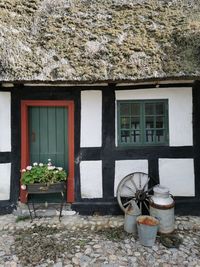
[{"x": 25, "y": 155}]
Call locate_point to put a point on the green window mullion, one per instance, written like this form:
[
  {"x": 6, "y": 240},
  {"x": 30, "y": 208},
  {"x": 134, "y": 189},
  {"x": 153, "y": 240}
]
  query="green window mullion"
[
  {"x": 118, "y": 122},
  {"x": 166, "y": 122},
  {"x": 143, "y": 121},
  {"x": 154, "y": 124}
]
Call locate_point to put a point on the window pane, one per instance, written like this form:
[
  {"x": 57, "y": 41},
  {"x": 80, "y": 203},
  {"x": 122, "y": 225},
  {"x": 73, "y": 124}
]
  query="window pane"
[
  {"x": 125, "y": 136},
  {"x": 125, "y": 109},
  {"x": 160, "y": 136},
  {"x": 125, "y": 123},
  {"x": 149, "y": 136},
  {"x": 160, "y": 122},
  {"x": 149, "y": 123},
  {"x": 149, "y": 109},
  {"x": 159, "y": 108},
  {"x": 135, "y": 109},
  {"x": 135, "y": 136},
  {"x": 135, "y": 123}
]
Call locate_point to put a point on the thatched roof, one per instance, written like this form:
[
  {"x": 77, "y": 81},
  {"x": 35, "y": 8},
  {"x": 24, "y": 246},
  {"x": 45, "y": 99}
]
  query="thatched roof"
[{"x": 99, "y": 40}]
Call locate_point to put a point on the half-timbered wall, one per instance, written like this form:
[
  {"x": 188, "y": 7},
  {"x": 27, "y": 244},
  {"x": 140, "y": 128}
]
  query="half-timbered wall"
[{"x": 99, "y": 162}]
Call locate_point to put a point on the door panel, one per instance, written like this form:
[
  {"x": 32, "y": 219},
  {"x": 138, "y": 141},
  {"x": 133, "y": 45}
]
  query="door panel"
[
  {"x": 48, "y": 135},
  {"x": 48, "y": 140}
]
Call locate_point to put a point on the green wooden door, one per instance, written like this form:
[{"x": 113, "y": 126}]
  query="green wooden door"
[{"x": 48, "y": 135}]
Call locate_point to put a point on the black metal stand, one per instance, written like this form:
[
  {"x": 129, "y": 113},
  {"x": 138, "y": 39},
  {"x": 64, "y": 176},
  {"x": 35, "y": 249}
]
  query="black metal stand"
[{"x": 33, "y": 211}]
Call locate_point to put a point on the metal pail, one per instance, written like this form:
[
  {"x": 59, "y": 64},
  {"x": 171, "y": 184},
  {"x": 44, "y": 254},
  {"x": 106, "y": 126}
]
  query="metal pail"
[
  {"x": 147, "y": 230},
  {"x": 130, "y": 224}
]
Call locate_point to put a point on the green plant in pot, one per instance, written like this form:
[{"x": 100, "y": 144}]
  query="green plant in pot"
[{"x": 43, "y": 177}]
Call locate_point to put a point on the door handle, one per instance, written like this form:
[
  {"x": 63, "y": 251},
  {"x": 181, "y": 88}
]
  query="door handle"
[{"x": 33, "y": 137}]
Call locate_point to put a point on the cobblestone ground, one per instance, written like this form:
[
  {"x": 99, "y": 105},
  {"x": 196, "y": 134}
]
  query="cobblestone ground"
[{"x": 91, "y": 241}]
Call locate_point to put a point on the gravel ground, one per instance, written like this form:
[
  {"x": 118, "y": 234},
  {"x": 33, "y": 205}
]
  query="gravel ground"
[{"x": 91, "y": 241}]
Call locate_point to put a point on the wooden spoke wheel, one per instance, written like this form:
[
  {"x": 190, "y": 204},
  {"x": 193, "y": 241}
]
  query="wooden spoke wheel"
[{"x": 135, "y": 186}]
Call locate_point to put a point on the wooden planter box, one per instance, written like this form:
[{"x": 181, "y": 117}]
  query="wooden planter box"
[
  {"x": 44, "y": 188},
  {"x": 40, "y": 188}
]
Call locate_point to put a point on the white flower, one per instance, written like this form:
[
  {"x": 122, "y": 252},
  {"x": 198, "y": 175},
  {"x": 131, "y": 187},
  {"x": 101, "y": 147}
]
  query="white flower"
[
  {"x": 41, "y": 164},
  {"x": 49, "y": 164},
  {"x": 50, "y": 168},
  {"x": 23, "y": 170},
  {"x": 56, "y": 171},
  {"x": 29, "y": 168},
  {"x": 49, "y": 159},
  {"x": 60, "y": 168},
  {"x": 35, "y": 164},
  {"x": 23, "y": 187}
]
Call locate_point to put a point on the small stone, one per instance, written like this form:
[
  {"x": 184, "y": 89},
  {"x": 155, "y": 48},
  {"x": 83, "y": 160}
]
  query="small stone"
[
  {"x": 78, "y": 255},
  {"x": 180, "y": 227},
  {"x": 2, "y": 253},
  {"x": 88, "y": 251},
  {"x": 129, "y": 252},
  {"x": 133, "y": 259},
  {"x": 84, "y": 261},
  {"x": 75, "y": 260},
  {"x": 112, "y": 258},
  {"x": 11, "y": 264},
  {"x": 58, "y": 264},
  {"x": 95, "y": 255},
  {"x": 137, "y": 254},
  {"x": 69, "y": 255},
  {"x": 127, "y": 246},
  {"x": 96, "y": 246},
  {"x": 132, "y": 239}
]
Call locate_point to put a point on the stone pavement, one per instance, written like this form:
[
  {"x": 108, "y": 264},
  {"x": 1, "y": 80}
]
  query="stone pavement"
[{"x": 97, "y": 241}]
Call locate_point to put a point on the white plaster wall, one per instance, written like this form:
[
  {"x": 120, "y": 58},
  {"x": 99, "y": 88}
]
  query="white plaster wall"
[
  {"x": 91, "y": 179},
  {"x": 91, "y": 118},
  {"x": 124, "y": 167},
  {"x": 5, "y": 132},
  {"x": 5, "y": 170},
  {"x": 180, "y": 110},
  {"x": 178, "y": 176}
]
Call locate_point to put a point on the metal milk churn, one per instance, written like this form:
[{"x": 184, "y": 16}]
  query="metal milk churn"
[
  {"x": 131, "y": 214},
  {"x": 162, "y": 207}
]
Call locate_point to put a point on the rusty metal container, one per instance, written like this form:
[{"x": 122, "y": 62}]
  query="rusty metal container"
[
  {"x": 147, "y": 230},
  {"x": 162, "y": 207}
]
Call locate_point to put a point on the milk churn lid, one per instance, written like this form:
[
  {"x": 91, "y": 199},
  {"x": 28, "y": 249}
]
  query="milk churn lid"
[{"x": 161, "y": 189}]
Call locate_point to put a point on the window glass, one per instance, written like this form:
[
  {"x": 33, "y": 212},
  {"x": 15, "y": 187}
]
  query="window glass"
[
  {"x": 149, "y": 109},
  {"x": 124, "y": 109},
  {"x": 135, "y": 122},
  {"x": 135, "y": 109},
  {"x": 125, "y": 122}
]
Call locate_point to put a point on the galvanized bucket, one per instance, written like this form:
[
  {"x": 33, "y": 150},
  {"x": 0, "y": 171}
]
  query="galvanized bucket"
[
  {"x": 131, "y": 214},
  {"x": 147, "y": 230},
  {"x": 130, "y": 225}
]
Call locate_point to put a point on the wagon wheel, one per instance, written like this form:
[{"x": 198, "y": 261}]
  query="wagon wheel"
[{"x": 135, "y": 186}]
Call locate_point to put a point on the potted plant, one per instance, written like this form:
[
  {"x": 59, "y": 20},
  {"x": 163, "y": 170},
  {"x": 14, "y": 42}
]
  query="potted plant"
[{"x": 42, "y": 177}]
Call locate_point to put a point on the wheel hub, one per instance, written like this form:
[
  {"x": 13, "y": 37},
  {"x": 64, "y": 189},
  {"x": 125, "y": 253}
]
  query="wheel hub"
[{"x": 140, "y": 195}]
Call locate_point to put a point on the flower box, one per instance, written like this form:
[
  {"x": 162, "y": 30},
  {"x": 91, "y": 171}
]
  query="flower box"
[{"x": 42, "y": 188}]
